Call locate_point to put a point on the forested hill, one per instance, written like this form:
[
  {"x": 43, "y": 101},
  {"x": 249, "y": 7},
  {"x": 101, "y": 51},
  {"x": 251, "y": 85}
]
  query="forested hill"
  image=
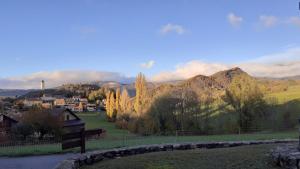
[{"x": 214, "y": 84}]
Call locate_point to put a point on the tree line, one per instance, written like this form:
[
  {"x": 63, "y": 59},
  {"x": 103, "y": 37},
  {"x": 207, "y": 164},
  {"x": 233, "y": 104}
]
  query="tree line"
[{"x": 242, "y": 108}]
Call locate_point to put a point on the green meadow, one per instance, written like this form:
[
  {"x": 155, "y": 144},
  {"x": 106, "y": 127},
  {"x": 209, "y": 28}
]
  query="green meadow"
[{"x": 116, "y": 138}]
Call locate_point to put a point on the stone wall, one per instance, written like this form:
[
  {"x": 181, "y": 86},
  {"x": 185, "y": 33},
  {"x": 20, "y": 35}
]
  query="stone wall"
[
  {"x": 97, "y": 156},
  {"x": 287, "y": 156}
]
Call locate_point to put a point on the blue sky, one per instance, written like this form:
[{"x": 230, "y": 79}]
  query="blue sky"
[{"x": 119, "y": 36}]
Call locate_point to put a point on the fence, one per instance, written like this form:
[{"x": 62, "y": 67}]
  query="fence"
[{"x": 113, "y": 140}]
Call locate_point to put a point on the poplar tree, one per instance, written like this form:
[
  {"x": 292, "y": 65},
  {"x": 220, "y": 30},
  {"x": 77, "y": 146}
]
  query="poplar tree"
[
  {"x": 111, "y": 105},
  {"x": 141, "y": 92},
  {"x": 118, "y": 93},
  {"x": 124, "y": 101},
  {"x": 107, "y": 103}
]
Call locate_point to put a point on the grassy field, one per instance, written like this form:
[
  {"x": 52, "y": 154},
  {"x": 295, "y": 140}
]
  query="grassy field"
[
  {"x": 121, "y": 138},
  {"x": 246, "y": 157},
  {"x": 98, "y": 120},
  {"x": 292, "y": 93}
]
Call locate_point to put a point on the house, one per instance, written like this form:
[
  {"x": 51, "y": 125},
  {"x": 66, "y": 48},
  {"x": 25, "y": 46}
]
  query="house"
[
  {"x": 83, "y": 100},
  {"x": 47, "y": 99},
  {"x": 70, "y": 119},
  {"x": 91, "y": 107},
  {"x": 6, "y": 123},
  {"x": 47, "y": 105},
  {"x": 76, "y": 98},
  {"x": 79, "y": 107},
  {"x": 32, "y": 102},
  {"x": 60, "y": 102}
]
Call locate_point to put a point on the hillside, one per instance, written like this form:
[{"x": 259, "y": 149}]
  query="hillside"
[
  {"x": 13, "y": 92},
  {"x": 213, "y": 85}
]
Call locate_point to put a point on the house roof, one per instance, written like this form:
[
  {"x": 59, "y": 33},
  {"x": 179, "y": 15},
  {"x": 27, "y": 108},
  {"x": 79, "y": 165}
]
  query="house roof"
[
  {"x": 9, "y": 118},
  {"x": 58, "y": 111}
]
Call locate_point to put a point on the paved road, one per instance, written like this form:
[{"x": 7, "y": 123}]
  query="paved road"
[{"x": 33, "y": 162}]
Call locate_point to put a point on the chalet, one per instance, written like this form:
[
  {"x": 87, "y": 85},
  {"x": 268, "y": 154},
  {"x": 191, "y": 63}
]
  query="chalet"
[
  {"x": 69, "y": 117},
  {"x": 6, "y": 123}
]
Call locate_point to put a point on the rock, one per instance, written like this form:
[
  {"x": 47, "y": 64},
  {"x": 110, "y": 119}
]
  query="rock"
[
  {"x": 286, "y": 156},
  {"x": 110, "y": 154}
]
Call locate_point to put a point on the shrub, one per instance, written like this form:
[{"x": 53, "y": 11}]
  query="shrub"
[
  {"x": 22, "y": 130},
  {"x": 43, "y": 122}
]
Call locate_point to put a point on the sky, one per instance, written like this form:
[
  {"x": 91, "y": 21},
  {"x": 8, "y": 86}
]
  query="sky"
[{"x": 64, "y": 41}]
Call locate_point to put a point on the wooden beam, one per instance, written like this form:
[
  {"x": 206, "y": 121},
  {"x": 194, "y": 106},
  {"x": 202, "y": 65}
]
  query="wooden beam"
[{"x": 71, "y": 144}]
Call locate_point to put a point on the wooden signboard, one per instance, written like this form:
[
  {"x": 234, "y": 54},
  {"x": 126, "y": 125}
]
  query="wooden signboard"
[{"x": 74, "y": 139}]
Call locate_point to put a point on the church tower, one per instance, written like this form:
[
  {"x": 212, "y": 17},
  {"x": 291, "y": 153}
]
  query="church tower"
[{"x": 42, "y": 85}]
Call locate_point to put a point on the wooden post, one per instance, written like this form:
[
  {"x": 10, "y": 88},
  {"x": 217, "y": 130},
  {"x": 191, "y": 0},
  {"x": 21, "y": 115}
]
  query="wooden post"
[{"x": 82, "y": 141}]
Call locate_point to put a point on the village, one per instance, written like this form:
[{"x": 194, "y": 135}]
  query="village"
[
  {"x": 176, "y": 84},
  {"x": 13, "y": 112}
]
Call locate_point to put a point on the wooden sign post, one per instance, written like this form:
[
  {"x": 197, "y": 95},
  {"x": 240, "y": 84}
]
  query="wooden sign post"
[{"x": 74, "y": 139}]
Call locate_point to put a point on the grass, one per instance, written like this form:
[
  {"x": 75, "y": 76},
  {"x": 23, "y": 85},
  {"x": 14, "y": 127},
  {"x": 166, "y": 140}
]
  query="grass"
[
  {"x": 120, "y": 138},
  {"x": 98, "y": 120},
  {"x": 245, "y": 157},
  {"x": 292, "y": 93}
]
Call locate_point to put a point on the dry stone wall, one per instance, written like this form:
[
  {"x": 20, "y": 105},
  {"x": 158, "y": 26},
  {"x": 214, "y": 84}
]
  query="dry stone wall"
[{"x": 97, "y": 156}]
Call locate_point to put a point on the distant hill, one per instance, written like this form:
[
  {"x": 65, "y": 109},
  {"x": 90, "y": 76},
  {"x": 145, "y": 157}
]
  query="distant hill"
[
  {"x": 291, "y": 78},
  {"x": 224, "y": 78},
  {"x": 13, "y": 92},
  {"x": 66, "y": 90},
  {"x": 213, "y": 85}
]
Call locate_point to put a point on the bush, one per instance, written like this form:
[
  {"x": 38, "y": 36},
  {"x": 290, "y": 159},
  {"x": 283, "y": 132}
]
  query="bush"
[
  {"x": 43, "y": 122},
  {"x": 122, "y": 121},
  {"x": 22, "y": 130}
]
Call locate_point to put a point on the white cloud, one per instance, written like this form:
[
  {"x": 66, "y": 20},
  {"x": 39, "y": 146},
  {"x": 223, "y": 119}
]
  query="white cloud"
[
  {"x": 268, "y": 21},
  {"x": 294, "y": 21},
  {"x": 169, "y": 28},
  {"x": 234, "y": 20},
  {"x": 190, "y": 69},
  {"x": 286, "y": 63},
  {"x": 57, "y": 78},
  {"x": 147, "y": 65}
]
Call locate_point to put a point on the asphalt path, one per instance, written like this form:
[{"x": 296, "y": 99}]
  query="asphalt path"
[{"x": 33, "y": 162}]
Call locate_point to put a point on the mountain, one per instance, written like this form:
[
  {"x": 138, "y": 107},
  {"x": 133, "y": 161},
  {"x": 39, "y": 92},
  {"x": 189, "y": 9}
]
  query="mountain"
[
  {"x": 225, "y": 77},
  {"x": 213, "y": 85},
  {"x": 219, "y": 80}
]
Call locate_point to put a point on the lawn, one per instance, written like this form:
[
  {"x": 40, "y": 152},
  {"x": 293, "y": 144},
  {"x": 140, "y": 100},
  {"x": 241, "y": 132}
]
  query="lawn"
[
  {"x": 98, "y": 120},
  {"x": 122, "y": 138},
  {"x": 245, "y": 157}
]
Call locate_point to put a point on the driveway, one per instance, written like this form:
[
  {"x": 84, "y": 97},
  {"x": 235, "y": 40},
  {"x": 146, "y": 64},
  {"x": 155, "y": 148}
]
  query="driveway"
[{"x": 33, "y": 162}]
